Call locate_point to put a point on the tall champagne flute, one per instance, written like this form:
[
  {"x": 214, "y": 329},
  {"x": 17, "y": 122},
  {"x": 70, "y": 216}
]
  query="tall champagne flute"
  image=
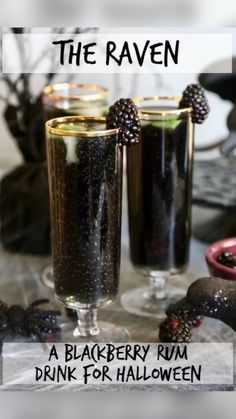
[
  {"x": 159, "y": 172},
  {"x": 85, "y": 182},
  {"x": 68, "y": 99}
]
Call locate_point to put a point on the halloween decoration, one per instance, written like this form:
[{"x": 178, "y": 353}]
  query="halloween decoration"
[
  {"x": 209, "y": 297},
  {"x": 29, "y": 322}
]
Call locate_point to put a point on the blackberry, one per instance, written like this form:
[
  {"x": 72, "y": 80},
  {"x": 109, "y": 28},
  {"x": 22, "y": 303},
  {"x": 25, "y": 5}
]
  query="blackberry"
[
  {"x": 227, "y": 259},
  {"x": 175, "y": 329},
  {"x": 191, "y": 317},
  {"x": 196, "y": 322},
  {"x": 194, "y": 96},
  {"x": 124, "y": 115}
]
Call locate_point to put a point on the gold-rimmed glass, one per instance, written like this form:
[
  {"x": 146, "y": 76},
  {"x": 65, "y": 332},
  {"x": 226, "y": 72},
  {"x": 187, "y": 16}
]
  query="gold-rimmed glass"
[
  {"x": 85, "y": 182},
  {"x": 68, "y": 99},
  {"x": 159, "y": 175}
]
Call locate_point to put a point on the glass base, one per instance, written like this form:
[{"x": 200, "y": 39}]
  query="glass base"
[
  {"x": 146, "y": 302},
  {"x": 106, "y": 332},
  {"x": 47, "y": 277}
]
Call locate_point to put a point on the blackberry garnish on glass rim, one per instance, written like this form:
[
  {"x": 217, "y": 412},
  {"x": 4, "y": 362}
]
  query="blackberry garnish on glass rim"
[
  {"x": 124, "y": 115},
  {"x": 194, "y": 97},
  {"x": 210, "y": 297}
]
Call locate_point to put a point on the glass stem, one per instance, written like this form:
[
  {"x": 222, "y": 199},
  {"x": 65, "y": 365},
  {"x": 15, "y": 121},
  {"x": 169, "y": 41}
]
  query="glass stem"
[
  {"x": 87, "y": 323},
  {"x": 158, "y": 286}
]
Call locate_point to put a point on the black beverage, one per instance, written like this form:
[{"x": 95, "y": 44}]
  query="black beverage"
[
  {"x": 159, "y": 194},
  {"x": 85, "y": 175},
  {"x": 71, "y": 99}
]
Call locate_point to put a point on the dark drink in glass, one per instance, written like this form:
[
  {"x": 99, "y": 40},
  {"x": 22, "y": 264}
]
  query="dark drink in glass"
[
  {"x": 159, "y": 173},
  {"x": 71, "y": 99},
  {"x": 85, "y": 179}
]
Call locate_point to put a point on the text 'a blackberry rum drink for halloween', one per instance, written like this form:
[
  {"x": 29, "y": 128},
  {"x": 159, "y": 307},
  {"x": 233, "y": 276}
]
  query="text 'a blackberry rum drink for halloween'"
[
  {"x": 85, "y": 179},
  {"x": 159, "y": 173},
  {"x": 71, "y": 99}
]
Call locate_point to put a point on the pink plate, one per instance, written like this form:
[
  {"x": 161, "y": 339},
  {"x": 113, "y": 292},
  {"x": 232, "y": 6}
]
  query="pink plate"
[{"x": 212, "y": 253}]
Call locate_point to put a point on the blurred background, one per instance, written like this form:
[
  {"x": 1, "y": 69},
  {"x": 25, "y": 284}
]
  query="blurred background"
[
  {"x": 108, "y": 13},
  {"x": 118, "y": 406}
]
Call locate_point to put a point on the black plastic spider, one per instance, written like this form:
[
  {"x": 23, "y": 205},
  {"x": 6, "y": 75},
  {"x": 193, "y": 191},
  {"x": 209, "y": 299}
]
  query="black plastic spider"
[{"x": 29, "y": 322}]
